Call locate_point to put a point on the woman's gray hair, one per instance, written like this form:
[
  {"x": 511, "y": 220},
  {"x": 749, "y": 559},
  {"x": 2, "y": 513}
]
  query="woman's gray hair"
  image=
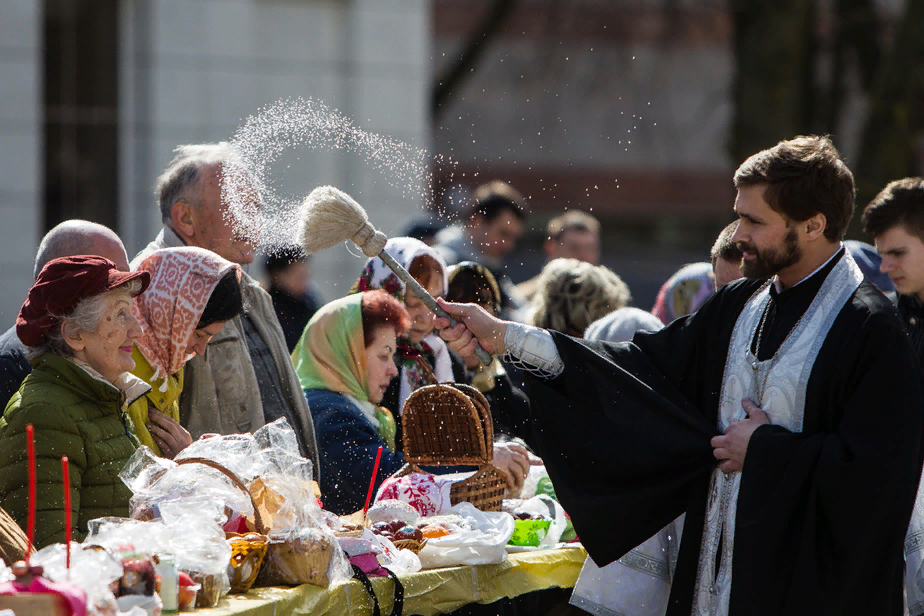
[
  {"x": 573, "y": 294},
  {"x": 182, "y": 179},
  {"x": 86, "y": 318}
]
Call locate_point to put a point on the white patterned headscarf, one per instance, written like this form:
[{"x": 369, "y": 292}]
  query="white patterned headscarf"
[
  {"x": 182, "y": 281},
  {"x": 377, "y": 275}
]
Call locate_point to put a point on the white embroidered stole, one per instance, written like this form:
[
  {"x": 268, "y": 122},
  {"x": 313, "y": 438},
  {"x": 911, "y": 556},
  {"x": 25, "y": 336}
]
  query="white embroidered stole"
[{"x": 783, "y": 398}]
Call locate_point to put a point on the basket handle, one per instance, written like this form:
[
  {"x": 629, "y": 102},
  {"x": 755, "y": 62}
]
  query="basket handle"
[
  {"x": 487, "y": 443},
  {"x": 488, "y": 425},
  {"x": 257, "y": 518},
  {"x": 484, "y": 416}
]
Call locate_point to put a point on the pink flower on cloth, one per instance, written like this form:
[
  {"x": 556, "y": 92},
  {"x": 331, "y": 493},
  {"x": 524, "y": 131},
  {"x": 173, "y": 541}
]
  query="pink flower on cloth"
[
  {"x": 428, "y": 494},
  {"x": 182, "y": 281}
]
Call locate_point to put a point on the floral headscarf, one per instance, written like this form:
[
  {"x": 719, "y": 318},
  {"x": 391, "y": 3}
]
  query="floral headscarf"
[
  {"x": 377, "y": 275},
  {"x": 331, "y": 354},
  {"x": 684, "y": 292},
  {"x": 182, "y": 281}
]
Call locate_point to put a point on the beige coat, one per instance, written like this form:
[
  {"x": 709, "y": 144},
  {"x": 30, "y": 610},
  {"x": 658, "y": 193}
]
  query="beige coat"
[{"x": 220, "y": 393}]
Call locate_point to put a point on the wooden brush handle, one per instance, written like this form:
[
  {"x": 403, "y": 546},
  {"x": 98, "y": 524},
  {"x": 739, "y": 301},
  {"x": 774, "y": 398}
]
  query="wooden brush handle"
[{"x": 483, "y": 356}]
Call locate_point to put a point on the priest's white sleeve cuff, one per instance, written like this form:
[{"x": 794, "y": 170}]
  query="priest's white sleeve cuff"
[{"x": 532, "y": 349}]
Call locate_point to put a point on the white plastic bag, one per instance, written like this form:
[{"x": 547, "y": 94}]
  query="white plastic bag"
[
  {"x": 92, "y": 569},
  {"x": 483, "y": 545}
]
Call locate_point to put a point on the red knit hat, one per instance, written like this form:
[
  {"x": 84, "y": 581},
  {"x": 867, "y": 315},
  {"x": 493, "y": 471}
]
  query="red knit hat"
[{"x": 61, "y": 285}]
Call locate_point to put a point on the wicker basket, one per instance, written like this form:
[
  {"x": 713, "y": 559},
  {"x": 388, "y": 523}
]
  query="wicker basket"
[
  {"x": 247, "y": 555},
  {"x": 302, "y": 557},
  {"x": 410, "y": 544},
  {"x": 450, "y": 425},
  {"x": 348, "y": 529},
  {"x": 13, "y": 542}
]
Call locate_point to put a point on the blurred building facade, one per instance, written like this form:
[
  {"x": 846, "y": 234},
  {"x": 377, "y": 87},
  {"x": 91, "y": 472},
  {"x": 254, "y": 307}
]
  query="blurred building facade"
[
  {"x": 618, "y": 108},
  {"x": 95, "y": 95},
  {"x": 622, "y": 108}
]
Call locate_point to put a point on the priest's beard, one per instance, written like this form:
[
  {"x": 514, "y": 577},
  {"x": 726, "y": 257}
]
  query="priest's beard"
[{"x": 770, "y": 261}]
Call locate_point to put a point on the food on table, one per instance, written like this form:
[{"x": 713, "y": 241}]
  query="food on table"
[
  {"x": 408, "y": 532},
  {"x": 388, "y": 529},
  {"x": 298, "y": 557},
  {"x": 186, "y": 597},
  {"x": 451, "y": 521},
  {"x": 209, "y": 593},
  {"x": 434, "y": 531},
  {"x": 391, "y": 510},
  {"x": 247, "y": 554},
  {"x": 344, "y": 528},
  {"x": 527, "y": 516},
  {"x": 138, "y": 578}
]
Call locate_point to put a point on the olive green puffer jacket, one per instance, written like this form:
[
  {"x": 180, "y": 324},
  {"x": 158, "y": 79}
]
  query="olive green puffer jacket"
[{"x": 74, "y": 415}]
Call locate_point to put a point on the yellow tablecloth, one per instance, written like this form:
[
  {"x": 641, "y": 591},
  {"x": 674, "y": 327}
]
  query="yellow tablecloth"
[{"x": 430, "y": 592}]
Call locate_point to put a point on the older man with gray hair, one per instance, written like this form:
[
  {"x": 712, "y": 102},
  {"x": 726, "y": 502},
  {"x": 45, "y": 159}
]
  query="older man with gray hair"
[
  {"x": 245, "y": 378},
  {"x": 71, "y": 237}
]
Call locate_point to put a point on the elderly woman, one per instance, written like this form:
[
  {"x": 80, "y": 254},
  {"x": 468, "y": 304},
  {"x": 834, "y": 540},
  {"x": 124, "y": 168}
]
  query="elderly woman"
[
  {"x": 77, "y": 322},
  {"x": 573, "y": 294},
  {"x": 421, "y": 354},
  {"x": 193, "y": 293}
]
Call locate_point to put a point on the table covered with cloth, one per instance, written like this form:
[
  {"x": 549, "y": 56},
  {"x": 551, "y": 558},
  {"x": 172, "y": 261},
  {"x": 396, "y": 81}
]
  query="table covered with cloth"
[{"x": 429, "y": 592}]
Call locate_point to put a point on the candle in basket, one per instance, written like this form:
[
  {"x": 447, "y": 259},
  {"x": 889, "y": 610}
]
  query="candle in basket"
[{"x": 375, "y": 472}]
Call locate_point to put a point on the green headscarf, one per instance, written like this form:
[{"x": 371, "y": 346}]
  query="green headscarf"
[{"x": 331, "y": 354}]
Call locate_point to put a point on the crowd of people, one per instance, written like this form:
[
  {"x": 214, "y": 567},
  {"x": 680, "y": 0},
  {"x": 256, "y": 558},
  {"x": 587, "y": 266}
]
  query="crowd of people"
[{"x": 789, "y": 344}]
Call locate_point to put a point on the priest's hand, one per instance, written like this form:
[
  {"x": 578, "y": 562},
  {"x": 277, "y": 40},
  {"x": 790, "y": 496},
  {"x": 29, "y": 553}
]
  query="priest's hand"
[
  {"x": 731, "y": 447},
  {"x": 475, "y": 325}
]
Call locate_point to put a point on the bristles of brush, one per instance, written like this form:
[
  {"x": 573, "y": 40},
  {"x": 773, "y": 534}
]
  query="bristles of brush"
[{"x": 330, "y": 216}]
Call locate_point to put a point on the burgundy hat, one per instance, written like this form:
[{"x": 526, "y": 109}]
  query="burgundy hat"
[{"x": 61, "y": 285}]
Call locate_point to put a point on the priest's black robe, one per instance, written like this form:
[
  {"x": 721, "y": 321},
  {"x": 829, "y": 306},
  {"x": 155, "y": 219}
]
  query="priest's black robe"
[{"x": 822, "y": 514}]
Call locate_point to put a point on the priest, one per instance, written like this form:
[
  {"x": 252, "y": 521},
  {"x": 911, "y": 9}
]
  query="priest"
[{"x": 785, "y": 418}]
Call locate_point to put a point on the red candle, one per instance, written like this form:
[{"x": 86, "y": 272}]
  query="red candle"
[
  {"x": 65, "y": 471},
  {"x": 30, "y": 443},
  {"x": 375, "y": 471}
]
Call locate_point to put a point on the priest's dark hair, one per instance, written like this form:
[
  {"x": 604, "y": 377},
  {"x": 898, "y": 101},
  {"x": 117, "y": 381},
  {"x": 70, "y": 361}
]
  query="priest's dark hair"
[
  {"x": 491, "y": 199},
  {"x": 225, "y": 302},
  {"x": 724, "y": 248},
  {"x": 805, "y": 176},
  {"x": 900, "y": 203}
]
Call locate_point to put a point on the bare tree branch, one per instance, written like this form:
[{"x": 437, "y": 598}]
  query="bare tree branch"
[
  {"x": 457, "y": 72},
  {"x": 895, "y": 119}
]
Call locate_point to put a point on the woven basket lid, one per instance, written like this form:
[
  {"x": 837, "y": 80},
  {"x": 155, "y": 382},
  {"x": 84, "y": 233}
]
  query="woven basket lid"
[
  {"x": 13, "y": 541},
  {"x": 484, "y": 411},
  {"x": 443, "y": 426}
]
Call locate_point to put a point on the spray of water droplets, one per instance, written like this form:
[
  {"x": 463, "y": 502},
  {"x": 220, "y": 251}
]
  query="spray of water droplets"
[{"x": 291, "y": 124}]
